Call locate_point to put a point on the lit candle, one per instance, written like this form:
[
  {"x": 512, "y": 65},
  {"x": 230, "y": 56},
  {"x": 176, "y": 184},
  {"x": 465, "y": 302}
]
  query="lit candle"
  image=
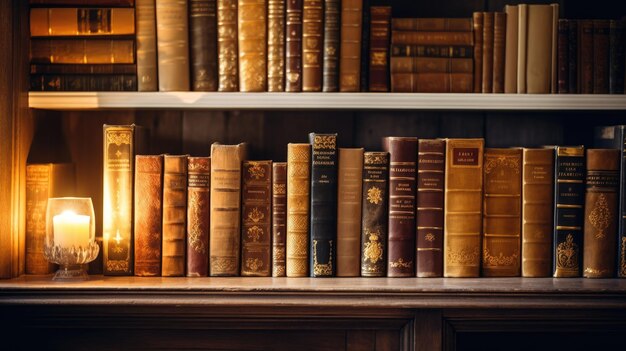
[{"x": 71, "y": 229}]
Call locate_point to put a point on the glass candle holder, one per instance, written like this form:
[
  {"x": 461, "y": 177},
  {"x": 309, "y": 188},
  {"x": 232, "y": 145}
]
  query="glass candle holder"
[{"x": 70, "y": 236}]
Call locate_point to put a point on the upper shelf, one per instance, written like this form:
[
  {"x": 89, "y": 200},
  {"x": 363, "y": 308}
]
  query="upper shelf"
[{"x": 321, "y": 101}]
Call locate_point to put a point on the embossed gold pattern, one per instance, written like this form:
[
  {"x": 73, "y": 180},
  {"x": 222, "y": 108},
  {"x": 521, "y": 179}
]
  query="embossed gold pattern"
[
  {"x": 322, "y": 269},
  {"x": 375, "y": 158},
  {"x": 223, "y": 264},
  {"x": 254, "y": 264},
  {"x": 464, "y": 256},
  {"x": 195, "y": 222},
  {"x": 373, "y": 250},
  {"x": 325, "y": 142},
  {"x": 374, "y": 195},
  {"x": 492, "y": 163},
  {"x": 118, "y": 137},
  {"x": 401, "y": 263},
  {"x": 256, "y": 170},
  {"x": 600, "y": 217},
  {"x": 430, "y": 237},
  {"x": 567, "y": 253},
  {"x": 500, "y": 259},
  {"x": 254, "y": 233}
]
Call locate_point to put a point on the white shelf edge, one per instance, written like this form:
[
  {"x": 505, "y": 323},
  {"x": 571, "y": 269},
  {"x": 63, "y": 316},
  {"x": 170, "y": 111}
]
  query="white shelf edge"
[{"x": 321, "y": 101}]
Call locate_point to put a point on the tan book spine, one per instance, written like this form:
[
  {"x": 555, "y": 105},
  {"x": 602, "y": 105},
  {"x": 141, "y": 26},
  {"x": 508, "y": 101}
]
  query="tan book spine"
[
  {"x": 146, "y": 46},
  {"x": 511, "y": 49},
  {"x": 539, "y": 50},
  {"x": 433, "y": 24},
  {"x": 174, "y": 215},
  {"x": 298, "y": 200},
  {"x": 312, "y": 42},
  {"x": 350, "y": 53},
  {"x": 431, "y": 65},
  {"x": 227, "y": 51},
  {"x": 522, "y": 48},
  {"x": 198, "y": 212},
  {"x": 478, "y": 23},
  {"x": 148, "y": 215},
  {"x": 432, "y": 82},
  {"x": 488, "y": 27},
  {"x": 81, "y": 21},
  {"x": 172, "y": 45},
  {"x": 82, "y": 51},
  {"x": 279, "y": 218},
  {"x": 555, "y": 36},
  {"x": 432, "y": 38},
  {"x": 252, "y": 29},
  {"x": 499, "y": 36},
  {"x": 276, "y": 45}
]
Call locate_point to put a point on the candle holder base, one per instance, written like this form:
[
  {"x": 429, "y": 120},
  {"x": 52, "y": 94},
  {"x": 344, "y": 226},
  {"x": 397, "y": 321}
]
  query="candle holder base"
[{"x": 71, "y": 273}]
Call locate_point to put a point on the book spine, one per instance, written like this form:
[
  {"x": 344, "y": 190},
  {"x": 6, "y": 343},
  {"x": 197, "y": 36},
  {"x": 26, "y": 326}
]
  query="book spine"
[
  {"x": 276, "y": 45},
  {"x": 146, "y": 46},
  {"x": 82, "y": 51},
  {"x": 586, "y": 56},
  {"x": 431, "y": 38},
  {"x": 433, "y": 24},
  {"x": 477, "y": 21},
  {"x": 350, "y": 53},
  {"x": 279, "y": 218},
  {"x": 488, "y": 36},
  {"x": 430, "y": 182},
  {"x": 432, "y": 82},
  {"x": 323, "y": 246},
  {"x": 298, "y": 201},
  {"x": 312, "y": 42},
  {"x": 380, "y": 35},
  {"x": 116, "y": 3},
  {"x": 374, "y": 221},
  {"x": 562, "y": 57},
  {"x": 433, "y": 51},
  {"x": 402, "y": 205},
  {"x": 82, "y": 69},
  {"x": 332, "y": 14},
  {"x": 293, "y": 46},
  {"x": 365, "y": 47},
  {"x": 572, "y": 56},
  {"x": 522, "y": 47},
  {"x": 198, "y": 212},
  {"x": 83, "y": 82},
  {"x": 172, "y": 45},
  {"x": 252, "y": 45},
  {"x": 511, "y": 46},
  {"x": 148, "y": 215},
  {"x": 227, "y": 51},
  {"x": 569, "y": 197},
  {"x": 538, "y": 70},
  {"x": 499, "y": 37},
  {"x": 203, "y": 44},
  {"x": 616, "y": 56},
  {"x": 81, "y": 21},
  {"x": 174, "y": 215},
  {"x": 349, "y": 193},
  {"x": 256, "y": 219},
  {"x": 601, "y": 199},
  {"x": 619, "y": 143},
  {"x": 601, "y": 56},
  {"x": 431, "y": 65},
  {"x": 38, "y": 182},
  {"x": 554, "y": 47}
]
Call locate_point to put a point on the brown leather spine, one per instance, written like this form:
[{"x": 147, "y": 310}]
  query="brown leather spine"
[
  {"x": 227, "y": 51},
  {"x": 562, "y": 57},
  {"x": 585, "y": 55},
  {"x": 431, "y": 165},
  {"x": 463, "y": 207},
  {"x": 252, "y": 29},
  {"x": 256, "y": 218},
  {"x": 375, "y": 212},
  {"x": 432, "y": 82},
  {"x": 502, "y": 212},
  {"x": 431, "y": 38},
  {"x": 82, "y": 51},
  {"x": 174, "y": 215},
  {"x": 447, "y": 51},
  {"x": 601, "y": 216},
  {"x": 198, "y": 212},
  {"x": 276, "y": 45},
  {"x": 600, "y": 56},
  {"x": 146, "y": 45},
  {"x": 293, "y": 46},
  {"x": 172, "y": 45},
  {"x": 349, "y": 193},
  {"x": 332, "y": 37},
  {"x": 488, "y": 35},
  {"x": 433, "y": 24},
  {"x": 312, "y": 42},
  {"x": 539, "y": 49},
  {"x": 298, "y": 200},
  {"x": 511, "y": 49},
  {"x": 380, "y": 36},
  {"x": 431, "y": 65},
  {"x": 279, "y": 218},
  {"x": 203, "y": 44},
  {"x": 148, "y": 215},
  {"x": 499, "y": 37},
  {"x": 68, "y": 21},
  {"x": 350, "y": 53},
  {"x": 478, "y": 22}
]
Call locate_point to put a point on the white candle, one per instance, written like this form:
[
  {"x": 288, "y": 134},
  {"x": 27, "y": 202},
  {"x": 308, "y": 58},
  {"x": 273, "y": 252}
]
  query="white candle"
[{"x": 71, "y": 229}]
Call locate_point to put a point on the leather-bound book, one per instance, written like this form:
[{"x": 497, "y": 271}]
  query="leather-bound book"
[
  {"x": 617, "y": 44},
  {"x": 148, "y": 215},
  {"x": 539, "y": 49},
  {"x": 298, "y": 201},
  {"x": 446, "y": 51},
  {"x": 82, "y": 51},
  {"x": 380, "y": 34},
  {"x": 585, "y": 55},
  {"x": 402, "y": 205},
  {"x": 323, "y": 246},
  {"x": 488, "y": 32},
  {"x": 463, "y": 207},
  {"x": 431, "y": 65},
  {"x": 374, "y": 221},
  {"x": 252, "y": 45},
  {"x": 433, "y": 24},
  {"x": 279, "y": 218},
  {"x": 350, "y": 53},
  {"x": 349, "y": 194},
  {"x": 510, "y": 51},
  {"x": 572, "y": 56},
  {"x": 203, "y": 44},
  {"x": 431, "y": 165},
  {"x": 174, "y": 215},
  {"x": 256, "y": 218},
  {"x": 562, "y": 57},
  {"x": 431, "y": 38},
  {"x": 276, "y": 45},
  {"x": 227, "y": 52},
  {"x": 569, "y": 201},
  {"x": 68, "y": 21},
  {"x": 172, "y": 45},
  {"x": 120, "y": 3},
  {"x": 499, "y": 37},
  {"x": 600, "y": 56},
  {"x": 198, "y": 212},
  {"x": 146, "y": 45},
  {"x": 83, "y": 82},
  {"x": 601, "y": 213},
  {"x": 432, "y": 82},
  {"x": 332, "y": 36},
  {"x": 522, "y": 47},
  {"x": 365, "y": 47},
  {"x": 87, "y": 69},
  {"x": 293, "y": 46},
  {"x": 312, "y": 43},
  {"x": 537, "y": 207},
  {"x": 502, "y": 212},
  {"x": 478, "y": 25},
  {"x": 225, "y": 219}
]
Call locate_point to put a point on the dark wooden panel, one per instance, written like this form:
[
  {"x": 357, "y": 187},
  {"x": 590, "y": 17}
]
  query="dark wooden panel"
[
  {"x": 371, "y": 127},
  {"x": 361, "y": 340},
  {"x": 462, "y": 125},
  {"x": 387, "y": 340},
  {"x": 516, "y": 129},
  {"x": 166, "y": 130},
  {"x": 201, "y": 129},
  {"x": 428, "y": 330},
  {"x": 249, "y": 127}
]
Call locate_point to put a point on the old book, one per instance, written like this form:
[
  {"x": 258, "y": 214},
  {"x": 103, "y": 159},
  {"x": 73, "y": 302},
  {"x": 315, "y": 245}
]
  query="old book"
[
  {"x": 431, "y": 65},
  {"x": 463, "y": 207},
  {"x": 252, "y": 45},
  {"x": 572, "y": 56},
  {"x": 73, "y": 51},
  {"x": 279, "y": 218},
  {"x": 555, "y": 34},
  {"x": 539, "y": 49},
  {"x": 502, "y": 212},
  {"x": 323, "y": 246},
  {"x": 227, "y": 52},
  {"x": 276, "y": 45},
  {"x": 173, "y": 45},
  {"x": 43, "y": 180},
  {"x": 431, "y": 165},
  {"x": 312, "y": 43},
  {"x": 148, "y": 214},
  {"x": 488, "y": 32},
  {"x": 601, "y": 213},
  {"x": 433, "y": 51},
  {"x": 510, "y": 51},
  {"x": 225, "y": 218},
  {"x": 585, "y": 56},
  {"x": 432, "y": 82},
  {"x": 537, "y": 205},
  {"x": 365, "y": 46},
  {"x": 82, "y": 69},
  {"x": 350, "y": 53},
  {"x": 431, "y": 38},
  {"x": 198, "y": 213},
  {"x": 203, "y": 44},
  {"x": 617, "y": 44},
  {"x": 174, "y": 215},
  {"x": 332, "y": 36},
  {"x": 374, "y": 219},
  {"x": 562, "y": 57},
  {"x": 402, "y": 205},
  {"x": 83, "y": 82},
  {"x": 522, "y": 45},
  {"x": 349, "y": 194},
  {"x": 64, "y": 21},
  {"x": 499, "y": 37},
  {"x": 380, "y": 35},
  {"x": 478, "y": 25},
  {"x": 293, "y": 46},
  {"x": 601, "y": 57},
  {"x": 433, "y": 24},
  {"x": 121, "y": 144},
  {"x": 298, "y": 201},
  {"x": 147, "y": 79},
  {"x": 569, "y": 200},
  {"x": 119, "y": 3},
  {"x": 256, "y": 219}
]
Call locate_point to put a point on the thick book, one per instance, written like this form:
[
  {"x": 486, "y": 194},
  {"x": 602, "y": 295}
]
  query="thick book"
[
  {"x": 488, "y": 36},
  {"x": 349, "y": 194},
  {"x": 450, "y": 51},
  {"x": 585, "y": 56},
  {"x": 148, "y": 214},
  {"x": 365, "y": 47},
  {"x": 120, "y": 145},
  {"x": 83, "y": 82},
  {"x": 227, "y": 52},
  {"x": 198, "y": 212},
  {"x": 298, "y": 201},
  {"x": 332, "y": 36},
  {"x": 64, "y": 21},
  {"x": 279, "y": 218},
  {"x": 350, "y": 53},
  {"x": 572, "y": 56},
  {"x": 225, "y": 218},
  {"x": 562, "y": 57},
  {"x": 43, "y": 181},
  {"x": 293, "y": 46},
  {"x": 380, "y": 35},
  {"x": 499, "y": 37},
  {"x": 510, "y": 50},
  {"x": 79, "y": 51},
  {"x": 537, "y": 207},
  {"x": 252, "y": 29},
  {"x": 432, "y": 82},
  {"x": 431, "y": 38},
  {"x": 172, "y": 27},
  {"x": 539, "y": 49},
  {"x": 203, "y": 44},
  {"x": 617, "y": 61},
  {"x": 147, "y": 79},
  {"x": 174, "y": 215},
  {"x": 256, "y": 219},
  {"x": 374, "y": 218},
  {"x": 478, "y": 25},
  {"x": 600, "y": 56},
  {"x": 569, "y": 201},
  {"x": 323, "y": 229},
  {"x": 276, "y": 45},
  {"x": 431, "y": 156},
  {"x": 312, "y": 44},
  {"x": 82, "y": 69},
  {"x": 402, "y": 205},
  {"x": 431, "y": 65},
  {"x": 601, "y": 213},
  {"x": 463, "y": 194},
  {"x": 502, "y": 212},
  {"x": 433, "y": 24}
]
